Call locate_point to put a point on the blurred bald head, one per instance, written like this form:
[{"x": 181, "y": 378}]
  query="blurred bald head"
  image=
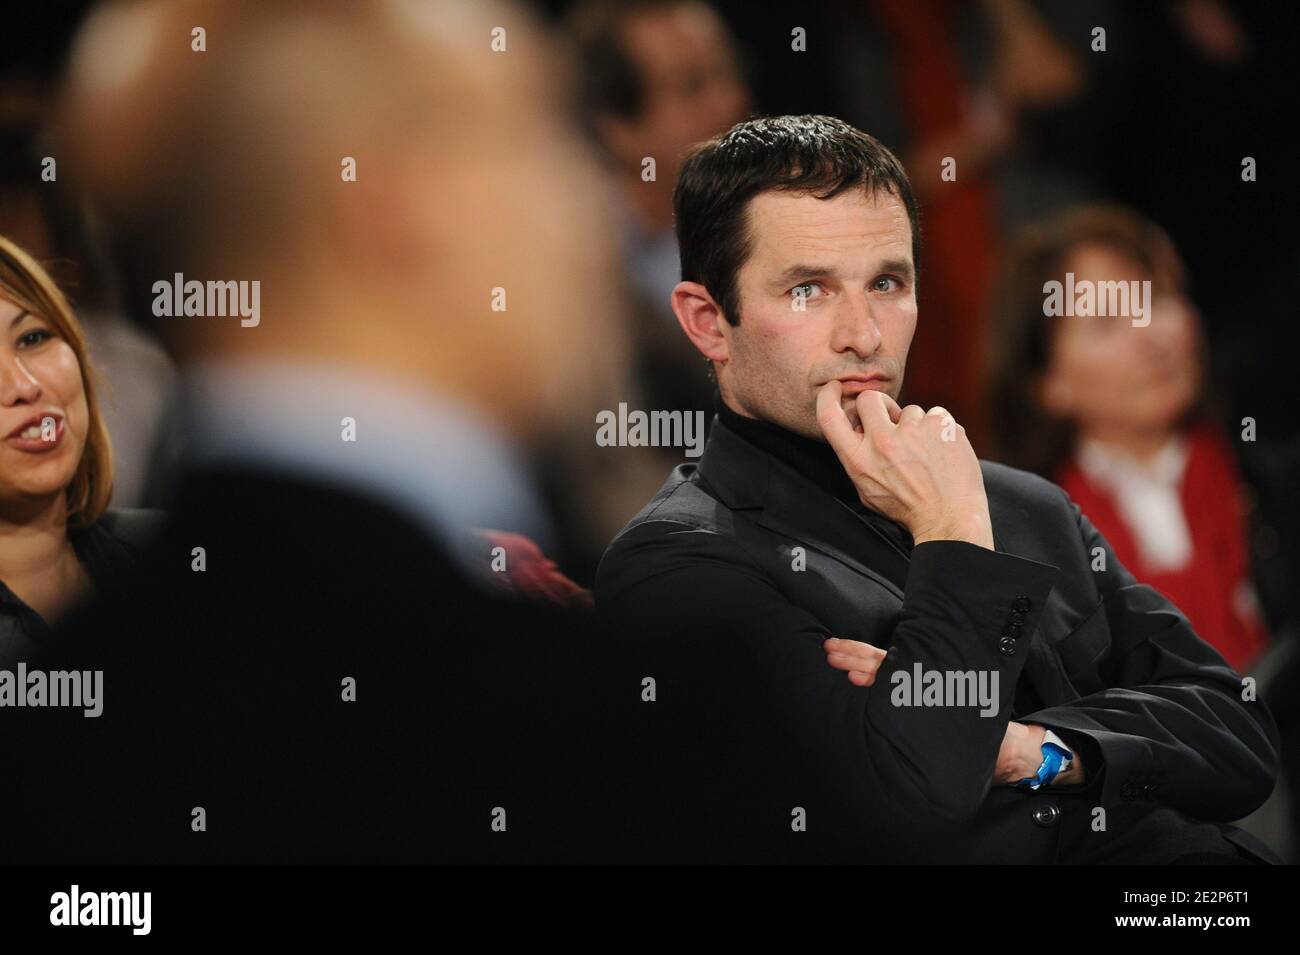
[{"x": 227, "y": 164}]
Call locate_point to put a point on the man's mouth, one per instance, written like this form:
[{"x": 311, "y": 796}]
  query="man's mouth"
[{"x": 853, "y": 384}]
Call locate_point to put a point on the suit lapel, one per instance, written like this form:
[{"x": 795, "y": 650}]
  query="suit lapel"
[{"x": 747, "y": 478}]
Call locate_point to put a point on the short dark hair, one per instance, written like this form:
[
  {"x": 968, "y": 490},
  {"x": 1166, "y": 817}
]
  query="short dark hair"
[{"x": 817, "y": 154}]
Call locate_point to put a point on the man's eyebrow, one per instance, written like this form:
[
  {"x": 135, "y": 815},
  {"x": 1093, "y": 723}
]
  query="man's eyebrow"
[
  {"x": 18, "y": 318},
  {"x": 804, "y": 272},
  {"x": 901, "y": 267}
]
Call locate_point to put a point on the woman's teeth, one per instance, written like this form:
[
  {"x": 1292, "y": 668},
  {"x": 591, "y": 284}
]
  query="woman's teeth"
[{"x": 32, "y": 433}]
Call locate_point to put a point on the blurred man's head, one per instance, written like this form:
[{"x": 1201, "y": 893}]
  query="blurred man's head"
[
  {"x": 799, "y": 248},
  {"x": 229, "y": 164},
  {"x": 658, "y": 77}
]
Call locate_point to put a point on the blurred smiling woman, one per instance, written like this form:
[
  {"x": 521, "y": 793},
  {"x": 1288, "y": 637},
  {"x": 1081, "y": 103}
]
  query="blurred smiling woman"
[{"x": 58, "y": 541}]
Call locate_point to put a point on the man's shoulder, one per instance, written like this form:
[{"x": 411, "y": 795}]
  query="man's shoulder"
[
  {"x": 683, "y": 524},
  {"x": 1025, "y": 491},
  {"x": 683, "y": 501}
]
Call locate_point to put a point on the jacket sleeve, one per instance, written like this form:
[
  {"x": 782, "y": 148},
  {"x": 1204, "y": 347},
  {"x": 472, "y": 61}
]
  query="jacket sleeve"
[
  {"x": 1175, "y": 724},
  {"x": 698, "y": 603}
]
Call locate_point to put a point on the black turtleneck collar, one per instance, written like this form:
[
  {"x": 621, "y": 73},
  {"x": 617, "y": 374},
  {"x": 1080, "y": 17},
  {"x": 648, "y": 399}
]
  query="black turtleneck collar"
[{"x": 815, "y": 460}]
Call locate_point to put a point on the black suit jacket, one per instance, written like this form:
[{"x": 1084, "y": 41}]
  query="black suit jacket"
[
  {"x": 723, "y": 588},
  {"x": 224, "y": 690}
]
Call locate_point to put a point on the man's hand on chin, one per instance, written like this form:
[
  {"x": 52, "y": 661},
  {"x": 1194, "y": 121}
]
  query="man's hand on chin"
[{"x": 914, "y": 466}]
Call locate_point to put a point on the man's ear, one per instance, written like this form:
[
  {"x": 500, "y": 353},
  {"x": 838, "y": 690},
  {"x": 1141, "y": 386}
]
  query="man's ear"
[{"x": 701, "y": 319}]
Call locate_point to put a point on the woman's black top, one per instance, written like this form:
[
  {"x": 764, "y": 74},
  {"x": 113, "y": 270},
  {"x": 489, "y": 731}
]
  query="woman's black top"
[{"x": 111, "y": 550}]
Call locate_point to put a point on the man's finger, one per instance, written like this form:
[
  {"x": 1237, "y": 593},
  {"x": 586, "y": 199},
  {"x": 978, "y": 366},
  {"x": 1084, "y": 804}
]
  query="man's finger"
[
  {"x": 852, "y": 666},
  {"x": 853, "y": 648},
  {"x": 834, "y": 422},
  {"x": 912, "y": 413},
  {"x": 855, "y": 668},
  {"x": 895, "y": 412},
  {"x": 845, "y": 661},
  {"x": 873, "y": 411},
  {"x": 854, "y": 657}
]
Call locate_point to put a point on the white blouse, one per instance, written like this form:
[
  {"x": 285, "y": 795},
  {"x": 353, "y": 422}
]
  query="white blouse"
[{"x": 1147, "y": 496}]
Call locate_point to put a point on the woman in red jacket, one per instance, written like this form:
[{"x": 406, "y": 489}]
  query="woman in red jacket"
[{"x": 1110, "y": 403}]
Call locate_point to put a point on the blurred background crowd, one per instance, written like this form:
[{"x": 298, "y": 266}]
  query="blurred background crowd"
[{"x": 1116, "y": 156}]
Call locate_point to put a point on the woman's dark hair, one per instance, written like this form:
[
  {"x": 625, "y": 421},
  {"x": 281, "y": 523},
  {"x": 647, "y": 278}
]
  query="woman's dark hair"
[
  {"x": 609, "y": 81},
  {"x": 1024, "y": 434},
  {"x": 817, "y": 154}
]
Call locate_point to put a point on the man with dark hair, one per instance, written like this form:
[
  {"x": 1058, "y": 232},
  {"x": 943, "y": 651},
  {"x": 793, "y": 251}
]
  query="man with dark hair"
[{"x": 1012, "y": 695}]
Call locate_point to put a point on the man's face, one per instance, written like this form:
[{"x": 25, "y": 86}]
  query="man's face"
[{"x": 848, "y": 261}]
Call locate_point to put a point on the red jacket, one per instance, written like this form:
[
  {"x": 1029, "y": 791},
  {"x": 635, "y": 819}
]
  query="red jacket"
[{"x": 1212, "y": 590}]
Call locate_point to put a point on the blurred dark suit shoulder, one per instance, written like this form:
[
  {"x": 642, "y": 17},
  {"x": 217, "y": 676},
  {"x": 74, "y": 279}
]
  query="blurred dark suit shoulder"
[{"x": 317, "y": 671}]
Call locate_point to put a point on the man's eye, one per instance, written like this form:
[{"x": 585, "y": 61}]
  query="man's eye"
[
  {"x": 886, "y": 279},
  {"x": 805, "y": 290}
]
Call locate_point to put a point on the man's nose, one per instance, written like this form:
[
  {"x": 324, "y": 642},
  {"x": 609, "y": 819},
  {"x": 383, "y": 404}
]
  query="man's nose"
[
  {"x": 17, "y": 384},
  {"x": 856, "y": 329}
]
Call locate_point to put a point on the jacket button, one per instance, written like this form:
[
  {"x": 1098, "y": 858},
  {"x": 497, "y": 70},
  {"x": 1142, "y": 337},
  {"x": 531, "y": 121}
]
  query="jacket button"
[
  {"x": 1021, "y": 604},
  {"x": 1013, "y": 631},
  {"x": 1046, "y": 815},
  {"x": 1007, "y": 645},
  {"x": 1017, "y": 618}
]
